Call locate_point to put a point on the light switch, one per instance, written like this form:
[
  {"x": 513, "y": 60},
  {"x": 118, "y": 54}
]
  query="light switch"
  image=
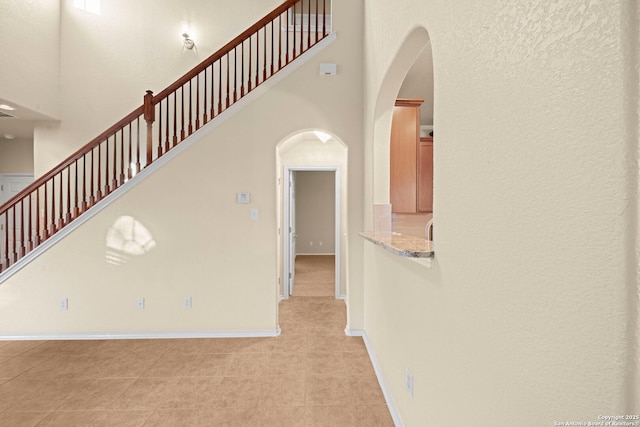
[{"x": 254, "y": 213}]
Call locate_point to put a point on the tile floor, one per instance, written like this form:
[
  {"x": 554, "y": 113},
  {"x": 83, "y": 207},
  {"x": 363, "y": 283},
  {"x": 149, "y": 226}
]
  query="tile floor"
[{"x": 311, "y": 375}]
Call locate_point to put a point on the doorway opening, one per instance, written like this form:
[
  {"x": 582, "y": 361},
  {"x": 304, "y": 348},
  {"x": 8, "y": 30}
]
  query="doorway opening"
[
  {"x": 306, "y": 151},
  {"x": 312, "y": 220}
]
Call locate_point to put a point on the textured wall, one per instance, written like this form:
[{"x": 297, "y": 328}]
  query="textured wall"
[
  {"x": 30, "y": 47},
  {"x": 16, "y": 156},
  {"x": 524, "y": 317},
  {"x": 419, "y": 84}
]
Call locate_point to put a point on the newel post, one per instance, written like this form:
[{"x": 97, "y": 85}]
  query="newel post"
[{"x": 150, "y": 117}]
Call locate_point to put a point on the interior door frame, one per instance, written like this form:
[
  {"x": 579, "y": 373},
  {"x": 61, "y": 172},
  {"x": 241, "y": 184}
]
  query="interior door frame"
[{"x": 287, "y": 267}]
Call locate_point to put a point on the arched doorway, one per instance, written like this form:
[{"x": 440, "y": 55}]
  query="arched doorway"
[{"x": 310, "y": 150}]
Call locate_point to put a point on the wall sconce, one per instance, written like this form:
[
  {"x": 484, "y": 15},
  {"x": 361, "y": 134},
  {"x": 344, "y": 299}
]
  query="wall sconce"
[{"x": 188, "y": 43}]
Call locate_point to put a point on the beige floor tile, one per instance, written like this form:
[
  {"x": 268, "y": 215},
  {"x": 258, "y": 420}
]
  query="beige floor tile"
[
  {"x": 96, "y": 419},
  {"x": 123, "y": 366},
  {"x": 17, "y": 390},
  {"x": 17, "y": 348},
  {"x": 65, "y": 366},
  {"x": 176, "y": 418},
  {"x": 238, "y": 392},
  {"x": 254, "y": 345},
  {"x": 373, "y": 416},
  {"x": 314, "y": 289},
  {"x": 248, "y": 364},
  {"x": 49, "y": 395},
  {"x": 358, "y": 364},
  {"x": 353, "y": 344},
  {"x": 141, "y": 347},
  {"x": 82, "y": 347},
  {"x": 45, "y": 348},
  {"x": 325, "y": 363},
  {"x": 193, "y": 393},
  {"x": 291, "y": 416},
  {"x": 11, "y": 367},
  {"x": 145, "y": 394},
  {"x": 330, "y": 416},
  {"x": 22, "y": 419},
  {"x": 327, "y": 390},
  {"x": 98, "y": 395},
  {"x": 189, "y": 345},
  {"x": 324, "y": 343},
  {"x": 229, "y": 417},
  {"x": 328, "y": 328},
  {"x": 189, "y": 365},
  {"x": 289, "y": 343},
  {"x": 282, "y": 391},
  {"x": 288, "y": 364},
  {"x": 365, "y": 390}
]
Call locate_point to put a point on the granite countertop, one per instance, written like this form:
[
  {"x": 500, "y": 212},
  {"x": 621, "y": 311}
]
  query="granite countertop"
[{"x": 399, "y": 244}]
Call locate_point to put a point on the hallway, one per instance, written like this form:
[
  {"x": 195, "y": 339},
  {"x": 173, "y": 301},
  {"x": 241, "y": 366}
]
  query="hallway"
[{"x": 311, "y": 375}]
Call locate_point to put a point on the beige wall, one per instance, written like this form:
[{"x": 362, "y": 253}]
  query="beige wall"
[
  {"x": 419, "y": 84},
  {"x": 16, "y": 156},
  {"x": 206, "y": 246},
  {"x": 108, "y": 61},
  {"x": 524, "y": 317},
  {"x": 30, "y": 46},
  {"x": 315, "y": 212}
]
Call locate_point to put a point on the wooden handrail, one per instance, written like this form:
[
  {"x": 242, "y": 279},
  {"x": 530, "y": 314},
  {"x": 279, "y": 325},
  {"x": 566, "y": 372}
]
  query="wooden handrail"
[
  {"x": 116, "y": 155},
  {"x": 85, "y": 149}
]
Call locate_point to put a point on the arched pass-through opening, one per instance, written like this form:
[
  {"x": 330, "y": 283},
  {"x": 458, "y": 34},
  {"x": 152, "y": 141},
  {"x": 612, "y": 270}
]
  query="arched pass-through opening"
[
  {"x": 410, "y": 75},
  {"x": 318, "y": 151}
]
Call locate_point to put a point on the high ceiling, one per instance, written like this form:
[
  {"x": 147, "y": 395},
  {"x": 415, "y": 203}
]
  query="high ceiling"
[{"x": 21, "y": 123}]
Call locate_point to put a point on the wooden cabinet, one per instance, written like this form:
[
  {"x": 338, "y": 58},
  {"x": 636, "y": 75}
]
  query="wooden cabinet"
[
  {"x": 425, "y": 174},
  {"x": 411, "y": 168},
  {"x": 405, "y": 132}
]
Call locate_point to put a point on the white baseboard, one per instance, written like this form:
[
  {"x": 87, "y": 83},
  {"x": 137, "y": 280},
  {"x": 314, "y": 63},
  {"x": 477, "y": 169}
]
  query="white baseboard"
[
  {"x": 144, "y": 335},
  {"x": 395, "y": 415}
]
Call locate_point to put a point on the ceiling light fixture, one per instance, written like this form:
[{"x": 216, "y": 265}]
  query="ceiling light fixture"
[
  {"x": 6, "y": 107},
  {"x": 9, "y": 136}
]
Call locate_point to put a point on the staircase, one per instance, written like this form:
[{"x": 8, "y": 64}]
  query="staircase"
[{"x": 112, "y": 159}]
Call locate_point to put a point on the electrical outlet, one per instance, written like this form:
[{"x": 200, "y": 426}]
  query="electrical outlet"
[
  {"x": 410, "y": 382},
  {"x": 64, "y": 304},
  {"x": 140, "y": 303},
  {"x": 186, "y": 303}
]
